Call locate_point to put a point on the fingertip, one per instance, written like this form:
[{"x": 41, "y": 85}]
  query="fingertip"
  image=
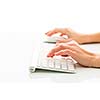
[
  {"x": 50, "y": 55},
  {"x": 46, "y": 33},
  {"x": 61, "y": 34}
]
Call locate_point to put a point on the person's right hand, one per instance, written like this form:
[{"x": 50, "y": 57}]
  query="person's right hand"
[
  {"x": 73, "y": 49},
  {"x": 67, "y": 31}
]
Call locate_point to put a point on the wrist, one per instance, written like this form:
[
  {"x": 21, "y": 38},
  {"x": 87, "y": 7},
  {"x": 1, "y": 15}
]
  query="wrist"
[
  {"x": 82, "y": 38},
  {"x": 90, "y": 38},
  {"x": 96, "y": 61},
  {"x": 85, "y": 38}
]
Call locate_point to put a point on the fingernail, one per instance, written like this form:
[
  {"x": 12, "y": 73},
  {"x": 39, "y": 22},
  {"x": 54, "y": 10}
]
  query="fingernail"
[
  {"x": 46, "y": 33},
  {"x": 50, "y": 55}
]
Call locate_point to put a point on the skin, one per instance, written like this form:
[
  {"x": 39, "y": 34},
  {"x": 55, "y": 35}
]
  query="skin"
[
  {"x": 72, "y": 48},
  {"x": 79, "y": 37}
]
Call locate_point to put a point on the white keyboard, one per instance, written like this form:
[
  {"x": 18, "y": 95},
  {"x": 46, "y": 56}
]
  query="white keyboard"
[{"x": 57, "y": 63}]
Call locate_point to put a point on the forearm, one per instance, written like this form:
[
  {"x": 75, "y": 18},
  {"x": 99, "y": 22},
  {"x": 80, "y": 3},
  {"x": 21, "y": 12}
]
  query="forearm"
[{"x": 90, "y": 38}]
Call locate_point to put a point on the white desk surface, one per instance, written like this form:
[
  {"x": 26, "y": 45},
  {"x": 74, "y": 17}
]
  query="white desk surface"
[{"x": 16, "y": 55}]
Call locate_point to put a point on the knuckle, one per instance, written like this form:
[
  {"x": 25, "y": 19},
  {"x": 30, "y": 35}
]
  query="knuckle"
[
  {"x": 55, "y": 29},
  {"x": 61, "y": 45}
]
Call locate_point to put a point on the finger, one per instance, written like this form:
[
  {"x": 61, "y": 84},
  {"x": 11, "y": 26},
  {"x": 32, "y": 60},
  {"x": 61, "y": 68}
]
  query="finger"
[
  {"x": 67, "y": 52},
  {"x": 63, "y": 41},
  {"x": 71, "y": 46},
  {"x": 52, "y": 32},
  {"x": 60, "y": 41},
  {"x": 60, "y": 47},
  {"x": 63, "y": 52},
  {"x": 62, "y": 34},
  {"x": 54, "y": 50},
  {"x": 67, "y": 44}
]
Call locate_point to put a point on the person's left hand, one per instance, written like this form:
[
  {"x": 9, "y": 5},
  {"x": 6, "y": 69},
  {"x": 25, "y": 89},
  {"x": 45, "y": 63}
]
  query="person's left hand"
[{"x": 73, "y": 49}]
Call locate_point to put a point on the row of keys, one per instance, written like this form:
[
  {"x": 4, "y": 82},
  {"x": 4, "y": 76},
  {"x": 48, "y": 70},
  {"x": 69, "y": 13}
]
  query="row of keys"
[{"x": 62, "y": 63}]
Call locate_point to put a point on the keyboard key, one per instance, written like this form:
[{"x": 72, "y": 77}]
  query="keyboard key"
[
  {"x": 64, "y": 64},
  {"x": 44, "y": 63},
  {"x": 50, "y": 62},
  {"x": 57, "y": 63},
  {"x": 70, "y": 65}
]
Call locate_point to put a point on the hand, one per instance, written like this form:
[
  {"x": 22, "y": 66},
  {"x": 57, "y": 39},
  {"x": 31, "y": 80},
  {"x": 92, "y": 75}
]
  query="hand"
[
  {"x": 69, "y": 32},
  {"x": 71, "y": 48}
]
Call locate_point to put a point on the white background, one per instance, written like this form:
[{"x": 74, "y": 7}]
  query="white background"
[{"x": 21, "y": 22}]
